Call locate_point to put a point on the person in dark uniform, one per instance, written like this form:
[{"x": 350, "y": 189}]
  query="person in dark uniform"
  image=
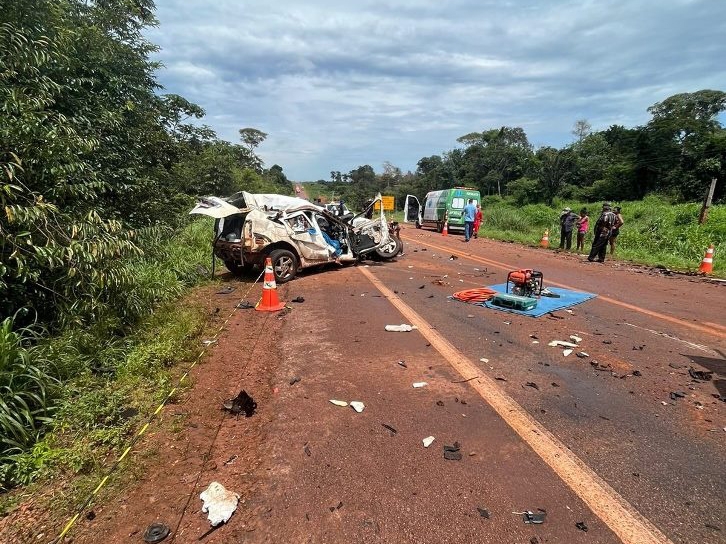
[
  {"x": 567, "y": 224},
  {"x": 602, "y": 231},
  {"x": 616, "y": 229}
]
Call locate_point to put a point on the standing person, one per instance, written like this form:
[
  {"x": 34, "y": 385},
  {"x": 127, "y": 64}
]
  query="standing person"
[
  {"x": 567, "y": 223},
  {"x": 603, "y": 228},
  {"x": 616, "y": 229},
  {"x": 469, "y": 217},
  {"x": 477, "y": 220},
  {"x": 583, "y": 225}
]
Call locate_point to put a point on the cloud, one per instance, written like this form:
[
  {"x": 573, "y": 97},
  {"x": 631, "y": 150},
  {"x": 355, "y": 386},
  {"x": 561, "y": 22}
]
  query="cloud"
[{"x": 336, "y": 86}]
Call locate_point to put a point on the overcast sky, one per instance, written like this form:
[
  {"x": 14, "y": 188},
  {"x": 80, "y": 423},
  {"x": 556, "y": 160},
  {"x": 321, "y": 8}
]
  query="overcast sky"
[{"x": 337, "y": 86}]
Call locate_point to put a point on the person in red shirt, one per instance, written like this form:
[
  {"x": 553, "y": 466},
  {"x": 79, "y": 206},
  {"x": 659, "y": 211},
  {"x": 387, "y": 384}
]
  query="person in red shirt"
[{"x": 477, "y": 220}]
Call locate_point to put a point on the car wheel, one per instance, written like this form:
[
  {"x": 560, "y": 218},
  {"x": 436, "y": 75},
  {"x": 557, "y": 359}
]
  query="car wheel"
[
  {"x": 238, "y": 269},
  {"x": 284, "y": 265},
  {"x": 391, "y": 249},
  {"x": 418, "y": 224},
  {"x": 439, "y": 227}
]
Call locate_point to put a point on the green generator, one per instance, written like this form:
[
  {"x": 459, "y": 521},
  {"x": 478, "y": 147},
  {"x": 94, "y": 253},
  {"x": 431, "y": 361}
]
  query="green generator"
[{"x": 514, "y": 302}]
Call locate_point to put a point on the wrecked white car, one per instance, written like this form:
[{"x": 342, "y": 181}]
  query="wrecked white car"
[{"x": 292, "y": 232}]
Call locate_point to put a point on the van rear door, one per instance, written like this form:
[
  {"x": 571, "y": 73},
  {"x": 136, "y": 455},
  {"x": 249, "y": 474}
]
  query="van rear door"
[{"x": 412, "y": 210}]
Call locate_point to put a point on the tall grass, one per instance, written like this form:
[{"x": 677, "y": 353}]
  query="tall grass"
[
  {"x": 655, "y": 232},
  {"x": 100, "y": 370}
]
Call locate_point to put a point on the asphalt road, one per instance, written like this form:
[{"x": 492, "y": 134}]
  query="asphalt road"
[{"x": 602, "y": 446}]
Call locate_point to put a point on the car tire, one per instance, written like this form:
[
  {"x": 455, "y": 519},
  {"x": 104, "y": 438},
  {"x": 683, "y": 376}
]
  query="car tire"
[
  {"x": 390, "y": 250},
  {"x": 418, "y": 224},
  {"x": 439, "y": 227},
  {"x": 284, "y": 265}
]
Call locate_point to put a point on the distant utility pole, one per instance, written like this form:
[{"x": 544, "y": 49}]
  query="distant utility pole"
[{"x": 707, "y": 203}]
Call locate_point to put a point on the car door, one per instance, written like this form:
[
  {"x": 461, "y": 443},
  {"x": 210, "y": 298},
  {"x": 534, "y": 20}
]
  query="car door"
[
  {"x": 412, "y": 210},
  {"x": 307, "y": 237}
]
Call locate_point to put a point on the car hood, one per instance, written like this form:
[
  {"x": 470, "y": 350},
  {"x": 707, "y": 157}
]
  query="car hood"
[{"x": 219, "y": 208}]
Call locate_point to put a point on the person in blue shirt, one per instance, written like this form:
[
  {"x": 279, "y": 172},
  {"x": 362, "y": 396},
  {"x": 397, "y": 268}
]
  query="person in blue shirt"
[{"x": 469, "y": 217}]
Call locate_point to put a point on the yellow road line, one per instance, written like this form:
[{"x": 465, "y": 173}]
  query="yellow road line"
[
  {"x": 504, "y": 266},
  {"x": 624, "y": 520}
]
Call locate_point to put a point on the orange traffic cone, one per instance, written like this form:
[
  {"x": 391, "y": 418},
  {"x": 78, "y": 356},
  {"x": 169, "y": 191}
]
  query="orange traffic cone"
[
  {"x": 445, "y": 231},
  {"x": 545, "y": 241},
  {"x": 707, "y": 262},
  {"x": 269, "y": 301}
]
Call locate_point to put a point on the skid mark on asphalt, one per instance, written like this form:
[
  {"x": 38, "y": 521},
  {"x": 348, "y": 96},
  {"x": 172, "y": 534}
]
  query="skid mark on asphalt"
[
  {"x": 622, "y": 518},
  {"x": 504, "y": 266}
]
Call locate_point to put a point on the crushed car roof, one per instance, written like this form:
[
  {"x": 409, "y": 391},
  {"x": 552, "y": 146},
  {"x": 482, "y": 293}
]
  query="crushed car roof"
[{"x": 218, "y": 208}]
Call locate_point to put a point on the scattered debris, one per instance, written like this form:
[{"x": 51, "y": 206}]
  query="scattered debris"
[
  {"x": 453, "y": 257},
  {"x": 484, "y": 360},
  {"x": 675, "y": 395},
  {"x": 418, "y": 385},
  {"x": 336, "y": 507},
  {"x": 294, "y": 380},
  {"x": 531, "y": 517},
  {"x": 533, "y": 385},
  {"x": 575, "y": 338},
  {"x": 581, "y": 525},
  {"x": 637, "y": 373},
  {"x": 307, "y": 451},
  {"x": 241, "y": 403},
  {"x": 607, "y": 341},
  {"x": 555, "y": 384},
  {"x": 156, "y": 532},
  {"x": 421, "y": 286},
  {"x": 470, "y": 315},
  {"x": 582, "y": 355},
  {"x": 664, "y": 403},
  {"x": 562, "y": 343},
  {"x": 339, "y": 402},
  {"x": 483, "y": 512},
  {"x": 567, "y": 352},
  {"x": 245, "y": 305},
  {"x": 704, "y": 375},
  {"x": 298, "y": 299},
  {"x": 401, "y": 328},
  {"x": 402, "y": 363},
  {"x": 357, "y": 405},
  {"x": 428, "y": 441},
  {"x": 394, "y": 431},
  {"x": 452, "y": 453},
  {"x": 209, "y": 342},
  {"x": 675, "y": 365},
  {"x": 225, "y": 290},
  {"x": 218, "y": 503},
  {"x": 601, "y": 368},
  {"x": 439, "y": 403},
  {"x": 230, "y": 460}
]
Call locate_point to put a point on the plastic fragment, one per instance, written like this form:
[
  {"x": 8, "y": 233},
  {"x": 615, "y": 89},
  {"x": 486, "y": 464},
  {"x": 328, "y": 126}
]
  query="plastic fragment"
[
  {"x": 403, "y": 327},
  {"x": 575, "y": 338},
  {"x": 418, "y": 385},
  {"x": 484, "y": 360},
  {"x": 357, "y": 405},
  {"x": 428, "y": 441},
  {"x": 218, "y": 503},
  {"x": 566, "y": 352},
  {"x": 339, "y": 402},
  {"x": 562, "y": 343}
]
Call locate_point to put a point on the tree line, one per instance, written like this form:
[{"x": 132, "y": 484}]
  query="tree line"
[
  {"x": 96, "y": 163},
  {"x": 677, "y": 153}
]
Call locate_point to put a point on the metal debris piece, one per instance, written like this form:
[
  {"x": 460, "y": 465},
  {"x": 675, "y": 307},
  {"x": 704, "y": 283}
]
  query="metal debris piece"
[
  {"x": 402, "y": 363},
  {"x": 156, "y": 532},
  {"x": 581, "y": 525},
  {"x": 428, "y": 441},
  {"x": 241, "y": 403},
  {"x": 393, "y": 430},
  {"x": 418, "y": 385},
  {"x": 637, "y": 373},
  {"x": 575, "y": 338},
  {"x": 401, "y": 328},
  {"x": 531, "y": 517},
  {"x": 307, "y": 450},
  {"x": 484, "y": 360},
  {"x": 357, "y": 405},
  {"x": 245, "y": 305},
  {"x": 483, "y": 512},
  {"x": 566, "y": 352},
  {"x": 294, "y": 380},
  {"x": 339, "y": 402},
  {"x": 675, "y": 395},
  {"x": 562, "y": 343},
  {"x": 705, "y": 375},
  {"x": 452, "y": 453},
  {"x": 582, "y": 355},
  {"x": 225, "y": 290},
  {"x": 218, "y": 503},
  {"x": 533, "y": 385},
  {"x": 298, "y": 299}
]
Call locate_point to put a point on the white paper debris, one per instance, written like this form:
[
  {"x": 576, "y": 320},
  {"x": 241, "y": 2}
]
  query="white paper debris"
[
  {"x": 339, "y": 402},
  {"x": 209, "y": 342},
  {"x": 401, "y": 328},
  {"x": 562, "y": 343},
  {"x": 430, "y": 439},
  {"x": 535, "y": 341},
  {"x": 484, "y": 360},
  {"x": 575, "y": 338},
  {"x": 357, "y": 405},
  {"x": 664, "y": 403},
  {"x": 417, "y": 385},
  {"x": 569, "y": 311},
  {"x": 219, "y": 503},
  {"x": 566, "y": 352}
]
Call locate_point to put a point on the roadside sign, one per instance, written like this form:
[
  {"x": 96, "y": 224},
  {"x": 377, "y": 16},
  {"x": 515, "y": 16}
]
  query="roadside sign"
[{"x": 389, "y": 204}]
